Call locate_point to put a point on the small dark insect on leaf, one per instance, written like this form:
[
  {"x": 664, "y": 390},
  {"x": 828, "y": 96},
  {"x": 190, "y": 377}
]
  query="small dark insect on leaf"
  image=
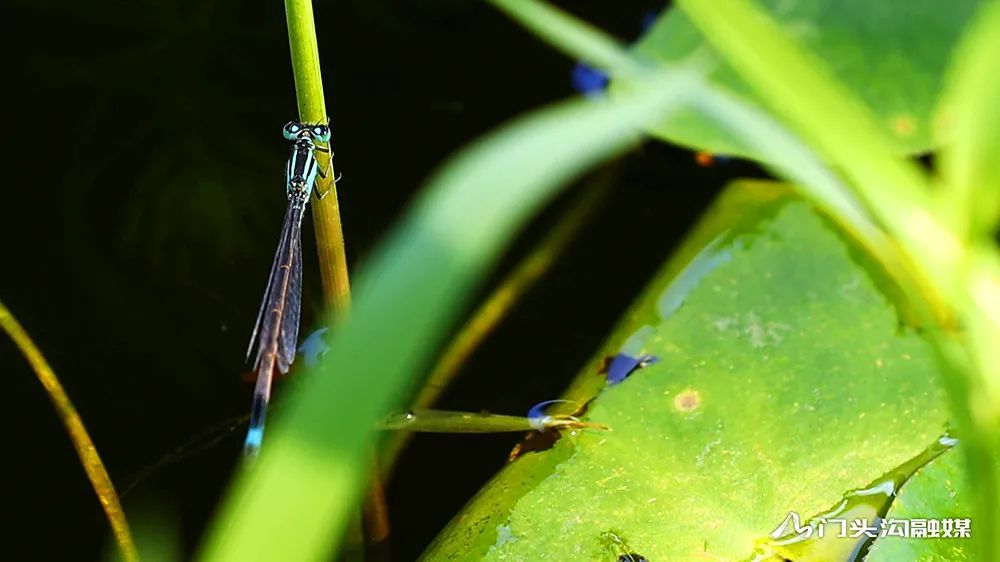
[{"x": 632, "y": 557}]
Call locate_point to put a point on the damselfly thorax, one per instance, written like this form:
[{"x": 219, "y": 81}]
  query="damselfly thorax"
[{"x": 301, "y": 170}]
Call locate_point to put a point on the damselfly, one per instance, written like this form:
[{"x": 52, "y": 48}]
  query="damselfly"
[{"x": 277, "y": 327}]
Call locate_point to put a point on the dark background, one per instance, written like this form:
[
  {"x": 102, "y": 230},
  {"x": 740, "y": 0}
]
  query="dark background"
[{"x": 142, "y": 201}]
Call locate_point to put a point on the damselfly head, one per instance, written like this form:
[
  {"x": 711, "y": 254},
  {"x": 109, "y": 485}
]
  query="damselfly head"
[{"x": 294, "y": 130}]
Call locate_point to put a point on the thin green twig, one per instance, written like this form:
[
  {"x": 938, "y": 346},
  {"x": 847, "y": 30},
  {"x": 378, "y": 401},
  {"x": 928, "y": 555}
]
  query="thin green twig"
[
  {"x": 497, "y": 305},
  {"x": 493, "y": 310},
  {"x": 971, "y": 200},
  {"x": 85, "y": 449}
]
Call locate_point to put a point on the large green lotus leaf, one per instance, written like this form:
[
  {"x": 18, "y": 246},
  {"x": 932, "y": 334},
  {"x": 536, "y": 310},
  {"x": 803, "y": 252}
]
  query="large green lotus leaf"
[
  {"x": 784, "y": 380},
  {"x": 892, "y": 55},
  {"x": 940, "y": 491}
]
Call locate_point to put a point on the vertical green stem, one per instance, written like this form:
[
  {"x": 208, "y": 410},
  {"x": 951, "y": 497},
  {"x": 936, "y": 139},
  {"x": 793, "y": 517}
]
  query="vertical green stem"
[
  {"x": 312, "y": 109},
  {"x": 326, "y": 215},
  {"x": 85, "y": 449}
]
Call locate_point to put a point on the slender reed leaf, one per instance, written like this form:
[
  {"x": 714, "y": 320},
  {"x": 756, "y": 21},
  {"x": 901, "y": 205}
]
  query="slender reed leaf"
[
  {"x": 85, "y": 449},
  {"x": 969, "y": 163}
]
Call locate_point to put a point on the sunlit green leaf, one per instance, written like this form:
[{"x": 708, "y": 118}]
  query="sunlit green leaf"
[
  {"x": 940, "y": 491},
  {"x": 784, "y": 381},
  {"x": 892, "y": 55}
]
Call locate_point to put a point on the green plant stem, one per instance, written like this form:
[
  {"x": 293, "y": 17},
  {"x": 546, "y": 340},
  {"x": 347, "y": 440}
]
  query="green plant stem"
[
  {"x": 495, "y": 308},
  {"x": 312, "y": 109},
  {"x": 971, "y": 198},
  {"x": 326, "y": 218},
  {"x": 85, "y": 449},
  {"x": 573, "y": 36}
]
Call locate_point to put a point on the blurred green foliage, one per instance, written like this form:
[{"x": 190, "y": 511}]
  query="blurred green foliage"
[
  {"x": 826, "y": 94},
  {"x": 892, "y": 56},
  {"x": 408, "y": 293}
]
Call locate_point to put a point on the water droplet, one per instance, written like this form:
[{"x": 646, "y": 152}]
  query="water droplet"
[{"x": 847, "y": 530}]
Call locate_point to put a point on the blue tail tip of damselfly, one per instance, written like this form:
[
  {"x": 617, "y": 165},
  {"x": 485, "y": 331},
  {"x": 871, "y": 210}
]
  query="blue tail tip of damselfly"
[{"x": 251, "y": 446}]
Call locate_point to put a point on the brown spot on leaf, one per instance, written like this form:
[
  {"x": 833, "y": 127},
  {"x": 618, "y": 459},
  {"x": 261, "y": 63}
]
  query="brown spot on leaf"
[
  {"x": 904, "y": 125},
  {"x": 687, "y": 400}
]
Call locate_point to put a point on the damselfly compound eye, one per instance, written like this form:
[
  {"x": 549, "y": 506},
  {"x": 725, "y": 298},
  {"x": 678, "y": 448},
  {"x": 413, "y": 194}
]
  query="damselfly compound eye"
[
  {"x": 291, "y": 130},
  {"x": 321, "y": 133}
]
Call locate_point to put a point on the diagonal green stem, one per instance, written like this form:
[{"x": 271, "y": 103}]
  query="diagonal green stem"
[
  {"x": 497, "y": 305},
  {"x": 85, "y": 449}
]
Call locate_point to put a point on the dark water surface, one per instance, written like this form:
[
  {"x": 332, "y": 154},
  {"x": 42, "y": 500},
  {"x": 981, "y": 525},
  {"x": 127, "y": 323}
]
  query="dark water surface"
[{"x": 142, "y": 202}]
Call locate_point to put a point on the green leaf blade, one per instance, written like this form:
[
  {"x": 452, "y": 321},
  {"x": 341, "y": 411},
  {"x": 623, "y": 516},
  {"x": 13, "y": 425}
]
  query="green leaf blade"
[
  {"x": 893, "y": 56},
  {"x": 784, "y": 381},
  {"x": 970, "y": 163}
]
